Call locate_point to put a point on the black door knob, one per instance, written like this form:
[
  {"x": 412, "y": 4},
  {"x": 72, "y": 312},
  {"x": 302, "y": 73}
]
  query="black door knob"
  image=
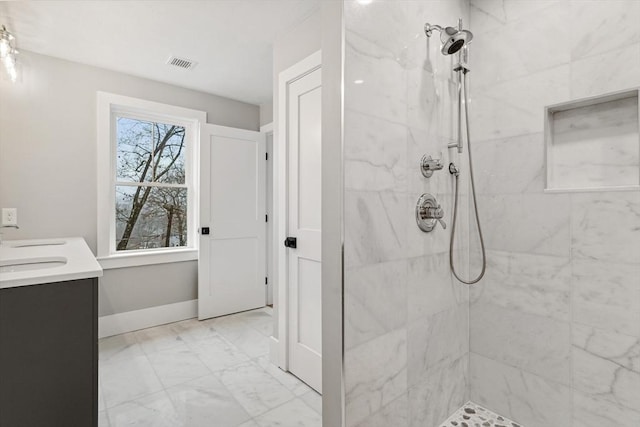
[{"x": 291, "y": 242}]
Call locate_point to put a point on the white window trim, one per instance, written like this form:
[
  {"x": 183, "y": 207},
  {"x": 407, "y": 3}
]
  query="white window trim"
[{"x": 109, "y": 104}]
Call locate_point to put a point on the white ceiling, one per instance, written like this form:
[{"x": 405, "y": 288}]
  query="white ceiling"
[{"x": 231, "y": 40}]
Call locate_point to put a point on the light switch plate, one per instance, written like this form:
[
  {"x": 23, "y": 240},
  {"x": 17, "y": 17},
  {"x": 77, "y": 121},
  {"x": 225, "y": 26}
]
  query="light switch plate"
[{"x": 9, "y": 216}]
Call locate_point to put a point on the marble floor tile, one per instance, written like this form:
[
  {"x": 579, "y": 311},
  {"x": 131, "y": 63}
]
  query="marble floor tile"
[
  {"x": 118, "y": 347},
  {"x": 256, "y": 390},
  {"x": 159, "y": 338},
  {"x": 314, "y": 400},
  {"x": 127, "y": 379},
  {"x": 294, "y": 413},
  {"x": 218, "y": 354},
  {"x": 291, "y": 382},
  {"x": 200, "y": 401},
  {"x": 177, "y": 365},
  {"x": 103, "y": 420},
  {"x": 155, "y": 410},
  {"x": 171, "y": 382}
]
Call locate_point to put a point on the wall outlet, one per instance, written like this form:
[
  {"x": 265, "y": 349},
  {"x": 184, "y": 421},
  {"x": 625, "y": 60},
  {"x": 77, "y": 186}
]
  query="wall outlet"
[{"x": 9, "y": 216}]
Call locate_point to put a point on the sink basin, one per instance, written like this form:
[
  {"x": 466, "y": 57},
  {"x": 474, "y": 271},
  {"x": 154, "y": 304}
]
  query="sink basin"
[
  {"x": 16, "y": 265},
  {"x": 36, "y": 243}
]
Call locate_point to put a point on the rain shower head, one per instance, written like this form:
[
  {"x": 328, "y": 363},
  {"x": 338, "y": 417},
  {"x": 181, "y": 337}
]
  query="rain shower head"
[{"x": 452, "y": 39}]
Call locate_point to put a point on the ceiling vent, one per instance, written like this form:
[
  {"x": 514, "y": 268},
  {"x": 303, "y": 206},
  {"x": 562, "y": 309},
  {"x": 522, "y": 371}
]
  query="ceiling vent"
[{"x": 183, "y": 63}]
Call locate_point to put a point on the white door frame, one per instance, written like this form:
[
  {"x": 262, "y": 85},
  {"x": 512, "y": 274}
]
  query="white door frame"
[
  {"x": 280, "y": 148},
  {"x": 268, "y": 129}
]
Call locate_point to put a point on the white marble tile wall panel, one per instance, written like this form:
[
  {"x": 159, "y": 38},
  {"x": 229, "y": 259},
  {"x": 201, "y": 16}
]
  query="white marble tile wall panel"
[
  {"x": 530, "y": 223},
  {"x": 376, "y": 299},
  {"x": 513, "y": 165},
  {"x": 488, "y": 14},
  {"x": 376, "y": 157},
  {"x": 534, "y": 284},
  {"x": 442, "y": 392},
  {"x": 375, "y": 375},
  {"x": 507, "y": 52},
  {"x": 604, "y": 378},
  {"x": 611, "y": 71},
  {"x": 394, "y": 414},
  {"x": 539, "y": 345},
  {"x": 606, "y": 295},
  {"x": 525, "y": 398},
  {"x": 516, "y": 107},
  {"x": 590, "y": 411},
  {"x": 436, "y": 341},
  {"x": 604, "y": 226},
  {"x": 595, "y": 146},
  {"x": 421, "y": 142},
  {"x": 402, "y": 108},
  {"x": 375, "y": 53},
  {"x": 375, "y": 227},
  {"x": 623, "y": 350},
  {"x": 590, "y": 20},
  {"x": 418, "y": 243},
  {"x": 431, "y": 287}
]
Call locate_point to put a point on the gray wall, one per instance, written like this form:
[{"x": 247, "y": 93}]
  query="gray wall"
[
  {"x": 405, "y": 316},
  {"x": 48, "y": 163},
  {"x": 555, "y": 324},
  {"x": 292, "y": 47}
]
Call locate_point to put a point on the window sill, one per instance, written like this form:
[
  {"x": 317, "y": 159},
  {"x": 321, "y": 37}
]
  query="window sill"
[{"x": 147, "y": 258}]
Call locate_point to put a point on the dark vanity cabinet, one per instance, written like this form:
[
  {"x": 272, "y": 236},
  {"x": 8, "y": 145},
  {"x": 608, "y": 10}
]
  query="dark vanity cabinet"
[{"x": 49, "y": 355}]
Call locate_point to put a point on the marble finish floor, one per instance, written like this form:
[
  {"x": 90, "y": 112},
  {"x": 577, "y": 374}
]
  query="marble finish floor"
[
  {"x": 472, "y": 415},
  {"x": 211, "y": 373}
]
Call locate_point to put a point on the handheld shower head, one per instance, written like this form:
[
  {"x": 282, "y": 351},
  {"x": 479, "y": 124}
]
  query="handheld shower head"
[{"x": 452, "y": 39}]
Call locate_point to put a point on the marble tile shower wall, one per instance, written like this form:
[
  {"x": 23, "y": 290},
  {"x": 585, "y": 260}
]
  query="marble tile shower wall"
[
  {"x": 555, "y": 326},
  {"x": 406, "y": 320}
]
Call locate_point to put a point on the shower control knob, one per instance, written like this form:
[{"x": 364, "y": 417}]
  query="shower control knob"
[
  {"x": 428, "y": 212},
  {"x": 428, "y": 165}
]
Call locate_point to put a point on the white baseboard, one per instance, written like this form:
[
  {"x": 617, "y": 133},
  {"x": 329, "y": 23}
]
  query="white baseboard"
[
  {"x": 273, "y": 350},
  {"x": 130, "y": 321}
]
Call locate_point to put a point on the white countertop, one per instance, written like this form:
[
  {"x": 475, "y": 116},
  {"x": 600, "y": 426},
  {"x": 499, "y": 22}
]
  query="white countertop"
[{"x": 62, "y": 259}]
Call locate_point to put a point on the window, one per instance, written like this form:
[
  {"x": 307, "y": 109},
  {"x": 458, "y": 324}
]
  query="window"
[{"x": 146, "y": 181}]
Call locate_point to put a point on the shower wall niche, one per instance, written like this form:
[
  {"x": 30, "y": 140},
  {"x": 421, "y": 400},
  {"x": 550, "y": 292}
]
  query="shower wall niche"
[{"x": 594, "y": 143}]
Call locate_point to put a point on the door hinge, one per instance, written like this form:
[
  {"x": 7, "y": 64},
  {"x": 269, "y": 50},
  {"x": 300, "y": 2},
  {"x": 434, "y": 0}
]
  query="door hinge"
[
  {"x": 266, "y": 280},
  {"x": 266, "y": 218},
  {"x": 266, "y": 156}
]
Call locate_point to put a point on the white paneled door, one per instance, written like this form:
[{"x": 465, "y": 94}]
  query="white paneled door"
[
  {"x": 231, "y": 265},
  {"x": 304, "y": 223}
]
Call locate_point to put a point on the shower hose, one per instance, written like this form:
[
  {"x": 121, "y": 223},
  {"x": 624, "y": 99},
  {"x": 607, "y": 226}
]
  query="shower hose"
[{"x": 463, "y": 82}]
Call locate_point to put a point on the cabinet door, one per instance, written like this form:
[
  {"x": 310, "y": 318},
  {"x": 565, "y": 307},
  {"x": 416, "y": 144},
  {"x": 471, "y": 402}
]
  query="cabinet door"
[{"x": 48, "y": 355}]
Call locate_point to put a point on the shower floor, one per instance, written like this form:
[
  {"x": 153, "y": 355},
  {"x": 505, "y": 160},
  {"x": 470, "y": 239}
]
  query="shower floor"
[{"x": 472, "y": 415}]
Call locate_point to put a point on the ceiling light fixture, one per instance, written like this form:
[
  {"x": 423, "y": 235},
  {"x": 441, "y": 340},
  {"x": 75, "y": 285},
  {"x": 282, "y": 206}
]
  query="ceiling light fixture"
[{"x": 8, "y": 53}]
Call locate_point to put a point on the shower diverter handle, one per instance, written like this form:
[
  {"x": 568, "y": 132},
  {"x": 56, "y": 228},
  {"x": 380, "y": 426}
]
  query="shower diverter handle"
[{"x": 428, "y": 211}]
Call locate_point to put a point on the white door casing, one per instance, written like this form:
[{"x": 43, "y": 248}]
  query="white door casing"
[
  {"x": 302, "y": 300},
  {"x": 231, "y": 264}
]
